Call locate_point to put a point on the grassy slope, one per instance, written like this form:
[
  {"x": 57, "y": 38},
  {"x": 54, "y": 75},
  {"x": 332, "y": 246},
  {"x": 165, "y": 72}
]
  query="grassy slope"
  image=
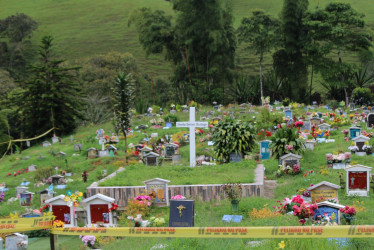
[{"x": 85, "y": 28}]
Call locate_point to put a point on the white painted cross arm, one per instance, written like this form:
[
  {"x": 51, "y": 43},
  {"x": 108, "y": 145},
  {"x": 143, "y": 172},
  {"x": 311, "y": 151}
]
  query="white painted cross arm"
[{"x": 192, "y": 124}]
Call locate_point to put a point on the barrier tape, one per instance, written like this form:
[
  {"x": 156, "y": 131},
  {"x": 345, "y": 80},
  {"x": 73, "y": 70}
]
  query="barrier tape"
[
  {"x": 25, "y": 224},
  {"x": 225, "y": 232}
]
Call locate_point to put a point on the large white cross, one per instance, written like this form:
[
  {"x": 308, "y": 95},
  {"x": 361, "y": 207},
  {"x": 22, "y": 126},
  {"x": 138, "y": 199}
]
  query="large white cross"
[{"x": 192, "y": 124}]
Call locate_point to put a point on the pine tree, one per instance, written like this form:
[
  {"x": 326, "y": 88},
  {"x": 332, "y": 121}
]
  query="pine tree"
[{"x": 52, "y": 95}]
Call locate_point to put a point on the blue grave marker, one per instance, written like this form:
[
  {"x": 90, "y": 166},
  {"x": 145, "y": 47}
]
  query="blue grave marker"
[
  {"x": 354, "y": 132},
  {"x": 265, "y": 149},
  {"x": 288, "y": 114}
]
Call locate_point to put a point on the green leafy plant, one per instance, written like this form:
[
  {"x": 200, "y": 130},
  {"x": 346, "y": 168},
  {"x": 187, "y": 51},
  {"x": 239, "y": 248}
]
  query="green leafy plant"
[
  {"x": 171, "y": 118},
  {"x": 233, "y": 191},
  {"x": 286, "y": 137},
  {"x": 232, "y": 136}
]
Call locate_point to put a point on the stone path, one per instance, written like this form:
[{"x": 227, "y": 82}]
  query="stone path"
[
  {"x": 269, "y": 187},
  {"x": 96, "y": 184}
]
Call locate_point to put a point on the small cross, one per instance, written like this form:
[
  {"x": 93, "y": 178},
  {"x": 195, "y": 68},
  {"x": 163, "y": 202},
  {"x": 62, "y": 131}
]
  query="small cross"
[
  {"x": 181, "y": 208},
  {"x": 353, "y": 181}
]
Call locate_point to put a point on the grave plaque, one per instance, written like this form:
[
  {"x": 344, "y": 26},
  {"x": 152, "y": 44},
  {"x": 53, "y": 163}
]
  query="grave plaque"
[
  {"x": 324, "y": 189},
  {"x": 159, "y": 187},
  {"x": 235, "y": 157},
  {"x": 182, "y": 213},
  {"x": 16, "y": 241}
]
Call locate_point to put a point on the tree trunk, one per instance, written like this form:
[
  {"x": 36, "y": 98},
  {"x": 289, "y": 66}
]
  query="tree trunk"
[
  {"x": 342, "y": 80},
  {"x": 124, "y": 133},
  {"x": 311, "y": 85},
  {"x": 262, "y": 93}
]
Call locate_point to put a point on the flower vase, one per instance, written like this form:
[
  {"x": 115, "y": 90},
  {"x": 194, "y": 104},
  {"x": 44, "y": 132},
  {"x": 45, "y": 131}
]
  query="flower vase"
[{"x": 235, "y": 205}]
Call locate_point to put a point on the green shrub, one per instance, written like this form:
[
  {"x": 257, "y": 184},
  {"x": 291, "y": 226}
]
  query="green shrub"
[
  {"x": 43, "y": 173},
  {"x": 362, "y": 96},
  {"x": 171, "y": 118},
  {"x": 282, "y": 138},
  {"x": 286, "y": 101}
]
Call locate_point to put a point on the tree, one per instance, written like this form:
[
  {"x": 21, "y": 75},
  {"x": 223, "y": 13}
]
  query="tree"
[
  {"x": 52, "y": 95},
  {"x": 123, "y": 100},
  {"x": 259, "y": 32}
]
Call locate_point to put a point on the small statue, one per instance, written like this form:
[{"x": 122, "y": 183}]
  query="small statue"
[{"x": 84, "y": 176}]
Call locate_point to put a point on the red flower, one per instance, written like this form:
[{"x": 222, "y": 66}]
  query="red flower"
[
  {"x": 268, "y": 133},
  {"x": 18, "y": 172},
  {"x": 302, "y": 221},
  {"x": 9, "y": 174},
  {"x": 136, "y": 153}
]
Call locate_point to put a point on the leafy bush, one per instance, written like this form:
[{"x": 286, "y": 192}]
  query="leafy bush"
[
  {"x": 232, "y": 136},
  {"x": 286, "y": 101},
  {"x": 43, "y": 173},
  {"x": 171, "y": 118},
  {"x": 362, "y": 96},
  {"x": 286, "y": 137}
]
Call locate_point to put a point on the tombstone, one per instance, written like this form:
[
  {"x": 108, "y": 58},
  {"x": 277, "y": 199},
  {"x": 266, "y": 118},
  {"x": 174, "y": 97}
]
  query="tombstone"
[
  {"x": 360, "y": 143},
  {"x": 315, "y": 120},
  {"x": 325, "y": 189},
  {"x": 16, "y": 241},
  {"x": 102, "y": 153},
  {"x": 358, "y": 180},
  {"x": 160, "y": 188},
  {"x": 288, "y": 114},
  {"x": 78, "y": 147},
  {"x": 45, "y": 195},
  {"x": 54, "y": 139},
  {"x": 20, "y": 190},
  {"x": 352, "y": 106},
  {"x": 25, "y": 198},
  {"x": 151, "y": 159},
  {"x": 144, "y": 151},
  {"x": 61, "y": 154},
  {"x": 170, "y": 149},
  {"x": 324, "y": 126},
  {"x": 91, "y": 153},
  {"x": 290, "y": 160},
  {"x": 112, "y": 150},
  {"x": 328, "y": 208},
  {"x": 192, "y": 124},
  {"x": 28, "y": 144},
  {"x": 46, "y": 144},
  {"x": 61, "y": 210},
  {"x": 56, "y": 178},
  {"x": 98, "y": 213},
  {"x": 354, "y": 132},
  {"x": 309, "y": 145},
  {"x": 235, "y": 157},
  {"x": 176, "y": 158},
  {"x": 182, "y": 213},
  {"x": 31, "y": 168},
  {"x": 307, "y": 126},
  {"x": 265, "y": 149},
  {"x": 370, "y": 120}
]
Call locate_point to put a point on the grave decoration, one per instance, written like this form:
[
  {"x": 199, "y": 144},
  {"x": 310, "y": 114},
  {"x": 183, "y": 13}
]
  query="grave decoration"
[
  {"x": 46, "y": 144},
  {"x": 324, "y": 191},
  {"x": 348, "y": 213},
  {"x": 159, "y": 190},
  {"x": 60, "y": 208},
  {"x": 360, "y": 145},
  {"x": 328, "y": 213},
  {"x": 233, "y": 192},
  {"x": 170, "y": 150},
  {"x": 354, "y": 132},
  {"x": 151, "y": 159},
  {"x": 112, "y": 150},
  {"x": 315, "y": 120},
  {"x": 182, "y": 213},
  {"x": 358, "y": 180},
  {"x": 265, "y": 149},
  {"x": 307, "y": 126},
  {"x": 31, "y": 168},
  {"x": 324, "y": 126},
  {"x": 25, "y": 198},
  {"x": 338, "y": 161},
  {"x": 91, "y": 153},
  {"x": 46, "y": 195},
  {"x": 99, "y": 209},
  {"x": 370, "y": 120},
  {"x": 16, "y": 241},
  {"x": 192, "y": 124},
  {"x": 144, "y": 151},
  {"x": 232, "y": 218}
]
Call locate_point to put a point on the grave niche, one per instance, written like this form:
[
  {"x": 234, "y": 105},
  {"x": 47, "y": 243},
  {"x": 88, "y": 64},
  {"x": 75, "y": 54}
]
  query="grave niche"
[
  {"x": 290, "y": 160},
  {"x": 324, "y": 189},
  {"x": 91, "y": 153},
  {"x": 370, "y": 119},
  {"x": 182, "y": 213},
  {"x": 358, "y": 180},
  {"x": 61, "y": 210},
  {"x": 328, "y": 208},
  {"x": 158, "y": 188},
  {"x": 25, "y": 198},
  {"x": 151, "y": 159},
  {"x": 360, "y": 142},
  {"x": 97, "y": 208},
  {"x": 265, "y": 149}
]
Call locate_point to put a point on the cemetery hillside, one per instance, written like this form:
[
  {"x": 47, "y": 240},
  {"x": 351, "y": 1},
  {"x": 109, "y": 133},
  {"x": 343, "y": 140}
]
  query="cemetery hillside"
[{"x": 186, "y": 124}]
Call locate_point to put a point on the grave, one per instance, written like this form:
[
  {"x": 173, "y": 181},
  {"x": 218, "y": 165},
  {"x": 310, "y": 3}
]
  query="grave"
[
  {"x": 16, "y": 241},
  {"x": 309, "y": 144},
  {"x": 61, "y": 210},
  {"x": 352, "y": 106},
  {"x": 290, "y": 160},
  {"x": 45, "y": 195},
  {"x": 315, "y": 120},
  {"x": 54, "y": 139},
  {"x": 55, "y": 178},
  {"x": 288, "y": 114},
  {"x": 160, "y": 188},
  {"x": 98, "y": 213},
  {"x": 25, "y": 198},
  {"x": 307, "y": 126},
  {"x": 235, "y": 157},
  {"x": 192, "y": 124},
  {"x": 265, "y": 149},
  {"x": 31, "y": 168},
  {"x": 325, "y": 189},
  {"x": 324, "y": 126},
  {"x": 112, "y": 150},
  {"x": 358, "y": 180},
  {"x": 78, "y": 147},
  {"x": 354, "y": 132},
  {"x": 61, "y": 154},
  {"x": 360, "y": 143},
  {"x": 20, "y": 190},
  {"x": 170, "y": 149},
  {"x": 182, "y": 213},
  {"x": 328, "y": 208},
  {"x": 91, "y": 153},
  {"x": 151, "y": 159},
  {"x": 144, "y": 151},
  {"x": 370, "y": 120},
  {"x": 46, "y": 144}
]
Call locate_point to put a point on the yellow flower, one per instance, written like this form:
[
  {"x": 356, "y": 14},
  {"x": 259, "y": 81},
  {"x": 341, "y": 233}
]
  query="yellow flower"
[
  {"x": 281, "y": 245},
  {"x": 80, "y": 194},
  {"x": 67, "y": 198}
]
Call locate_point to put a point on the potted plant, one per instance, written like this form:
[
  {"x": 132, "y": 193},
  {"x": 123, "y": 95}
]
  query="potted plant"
[{"x": 233, "y": 192}]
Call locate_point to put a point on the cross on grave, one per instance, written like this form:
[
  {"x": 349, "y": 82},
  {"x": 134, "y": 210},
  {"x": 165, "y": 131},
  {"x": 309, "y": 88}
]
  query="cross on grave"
[{"x": 192, "y": 124}]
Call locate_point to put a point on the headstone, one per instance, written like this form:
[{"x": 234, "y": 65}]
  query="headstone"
[
  {"x": 360, "y": 143},
  {"x": 97, "y": 207},
  {"x": 54, "y": 139},
  {"x": 288, "y": 114},
  {"x": 46, "y": 144},
  {"x": 324, "y": 189},
  {"x": 182, "y": 213},
  {"x": 352, "y": 106},
  {"x": 192, "y": 124},
  {"x": 160, "y": 188},
  {"x": 324, "y": 126},
  {"x": 290, "y": 160},
  {"x": 235, "y": 157},
  {"x": 78, "y": 147},
  {"x": 31, "y": 168},
  {"x": 370, "y": 119},
  {"x": 25, "y": 198},
  {"x": 61, "y": 154},
  {"x": 358, "y": 180},
  {"x": 307, "y": 126},
  {"x": 45, "y": 195},
  {"x": 309, "y": 145},
  {"x": 16, "y": 241},
  {"x": 328, "y": 208},
  {"x": 265, "y": 149},
  {"x": 170, "y": 149},
  {"x": 102, "y": 153},
  {"x": 56, "y": 178},
  {"x": 144, "y": 151},
  {"x": 151, "y": 159},
  {"x": 92, "y": 153},
  {"x": 354, "y": 132}
]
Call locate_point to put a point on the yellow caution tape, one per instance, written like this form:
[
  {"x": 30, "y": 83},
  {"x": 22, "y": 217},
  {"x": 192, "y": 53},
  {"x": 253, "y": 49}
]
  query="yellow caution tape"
[
  {"x": 25, "y": 224},
  {"x": 225, "y": 232}
]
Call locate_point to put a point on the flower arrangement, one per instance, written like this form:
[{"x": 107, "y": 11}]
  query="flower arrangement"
[
  {"x": 308, "y": 173},
  {"x": 338, "y": 158},
  {"x": 353, "y": 147},
  {"x": 45, "y": 208},
  {"x": 73, "y": 199},
  {"x": 113, "y": 207},
  {"x": 2, "y": 194},
  {"x": 345, "y": 132},
  {"x": 145, "y": 199},
  {"x": 156, "y": 221},
  {"x": 299, "y": 124},
  {"x": 58, "y": 224},
  {"x": 178, "y": 197},
  {"x": 283, "y": 169},
  {"x": 138, "y": 221},
  {"x": 325, "y": 220},
  {"x": 348, "y": 213},
  {"x": 90, "y": 241},
  {"x": 262, "y": 213},
  {"x": 304, "y": 210},
  {"x": 364, "y": 133},
  {"x": 233, "y": 191}
]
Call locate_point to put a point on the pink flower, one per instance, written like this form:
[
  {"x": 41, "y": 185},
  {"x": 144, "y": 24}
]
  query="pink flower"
[{"x": 302, "y": 221}]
